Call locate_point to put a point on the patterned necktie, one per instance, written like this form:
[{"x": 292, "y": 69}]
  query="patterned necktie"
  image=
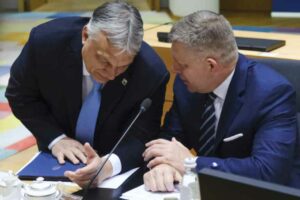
[
  {"x": 207, "y": 128},
  {"x": 87, "y": 120}
]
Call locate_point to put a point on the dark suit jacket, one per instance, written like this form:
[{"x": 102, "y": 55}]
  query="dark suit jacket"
[
  {"x": 260, "y": 104},
  {"x": 45, "y": 91},
  {"x": 295, "y": 172}
]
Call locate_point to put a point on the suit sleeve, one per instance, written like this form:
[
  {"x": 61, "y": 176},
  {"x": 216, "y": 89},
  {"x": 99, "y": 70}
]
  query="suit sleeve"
[
  {"x": 146, "y": 128},
  {"x": 273, "y": 145},
  {"x": 25, "y": 98},
  {"x": 172, "y": 125}
]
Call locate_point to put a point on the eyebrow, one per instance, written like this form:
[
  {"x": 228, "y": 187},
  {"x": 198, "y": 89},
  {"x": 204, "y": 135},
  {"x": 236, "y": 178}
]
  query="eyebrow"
[
  {"x": 181, "y": 64},
  {"x": 105, "y": 56}
]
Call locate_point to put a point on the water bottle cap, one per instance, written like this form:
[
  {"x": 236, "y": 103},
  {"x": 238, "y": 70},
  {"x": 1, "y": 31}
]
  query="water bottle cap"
[{"x": 190, "y": 162}]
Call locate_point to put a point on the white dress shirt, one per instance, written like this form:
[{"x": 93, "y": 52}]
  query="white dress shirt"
[
  {"x": 87, "y": 85},
  {"x": 221, "y": 92}
]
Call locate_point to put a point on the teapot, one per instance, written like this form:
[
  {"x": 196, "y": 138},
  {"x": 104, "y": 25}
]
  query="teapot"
[
  {"x": 10, "y": 186},
  {"x": 41, "y": 190}
]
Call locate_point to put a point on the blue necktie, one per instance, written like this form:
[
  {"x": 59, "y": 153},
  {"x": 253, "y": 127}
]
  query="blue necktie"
[
  {"x": 207, "y": 128},
  {"x": 87, "y": 120}
]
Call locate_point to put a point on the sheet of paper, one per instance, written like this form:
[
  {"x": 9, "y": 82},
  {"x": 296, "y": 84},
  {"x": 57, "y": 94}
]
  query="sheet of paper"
[
  {"x": 140, "y": 193},
  {"x": 4, "y": 80},
  {"x": 116, "y": 181}
]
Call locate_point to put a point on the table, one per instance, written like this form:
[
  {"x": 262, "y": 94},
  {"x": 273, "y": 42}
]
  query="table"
[{"x": 18, "y": 160}]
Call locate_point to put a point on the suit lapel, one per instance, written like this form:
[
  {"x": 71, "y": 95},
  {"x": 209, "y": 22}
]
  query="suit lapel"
[
  {"x": 233, "y": 101},
  {"x": 191, "y": 108},
  {"x": 196, "y": 107},
  {"x": 72, "y": 76},
  {"x": 112, "y": 93}
]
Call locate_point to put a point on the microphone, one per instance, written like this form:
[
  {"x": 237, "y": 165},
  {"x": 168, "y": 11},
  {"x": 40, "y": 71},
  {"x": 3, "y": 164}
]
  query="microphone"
[{"x": 146, "y": 103}]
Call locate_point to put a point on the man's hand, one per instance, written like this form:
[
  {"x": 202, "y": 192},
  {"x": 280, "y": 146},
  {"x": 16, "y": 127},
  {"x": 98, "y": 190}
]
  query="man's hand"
[
  {"x": 166, "y": 152},
  {"x": 161, "y": 178},
  {"x": 85, "y": 174},
  {"x": 70, "y": 149}
]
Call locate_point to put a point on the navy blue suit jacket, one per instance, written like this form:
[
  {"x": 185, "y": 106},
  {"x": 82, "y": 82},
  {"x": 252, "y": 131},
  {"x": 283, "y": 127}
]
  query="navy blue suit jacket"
[
  {"x": 259, "y": 103},
  {"x": 45, "y": 91}
]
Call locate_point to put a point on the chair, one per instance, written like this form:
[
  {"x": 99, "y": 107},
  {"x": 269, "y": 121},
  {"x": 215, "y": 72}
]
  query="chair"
[
  {"x": 288, "y": 68},
  {"x": 291, "y": 70}
]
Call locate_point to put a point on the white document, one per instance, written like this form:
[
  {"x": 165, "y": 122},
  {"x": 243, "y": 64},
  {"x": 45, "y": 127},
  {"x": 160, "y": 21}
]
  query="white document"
[
  {"x": 140, "y": 192},
  {"x": 116, "y": 181},
  {"x": 4, "y": 79}
]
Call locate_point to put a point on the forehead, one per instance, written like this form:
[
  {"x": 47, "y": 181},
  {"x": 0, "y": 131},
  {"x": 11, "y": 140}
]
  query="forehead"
[
  {"x": 183, "y": 53},
  {"x": 104, "y": 48}
]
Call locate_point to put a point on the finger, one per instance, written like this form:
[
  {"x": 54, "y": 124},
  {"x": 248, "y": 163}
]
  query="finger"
[
  {"x": 159, "y": 181},
  {"x": 80, "y": 180},
  {"x": 146, "y": 178},
  {"x": 82, "y": 184},
  {"x": 89, "y": 151},
  {"x": 80, "y": 155},
  {"x": 177, "y": 142},
  {"x": 149, "y": 150},
  {"x": 152, "y": 182},
  {"x": 80, "y": 147},
  {"x": 90, "y": 168},
  {"x": 158, "y": 141},
  {"x": 61, "y": 158},
  {"x": 82, "y": 176},
  {"x": 177, "y": 176},
  {"x": 168, "y": 180},
  {"x": 69, "y": 154},
  {"x": 69, "y": 174},
  {"x": 160, "y": 146},
  {"x": 154, "y": 152},
  {"x": 157, "y": 161}
]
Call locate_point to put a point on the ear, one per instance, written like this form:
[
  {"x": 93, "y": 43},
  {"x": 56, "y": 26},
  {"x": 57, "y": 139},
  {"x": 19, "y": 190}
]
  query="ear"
[
  {"x": 84, "y": 34},
  {"x": 213, "y": 64}
]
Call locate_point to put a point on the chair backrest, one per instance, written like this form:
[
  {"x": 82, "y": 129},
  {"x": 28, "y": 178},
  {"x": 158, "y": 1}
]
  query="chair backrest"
[{"x": 289, "y": 69}]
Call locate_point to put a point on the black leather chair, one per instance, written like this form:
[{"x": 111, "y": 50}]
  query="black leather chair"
[
  {"x": 288, "y": 68},
  {"x": 291, "y": 70}
]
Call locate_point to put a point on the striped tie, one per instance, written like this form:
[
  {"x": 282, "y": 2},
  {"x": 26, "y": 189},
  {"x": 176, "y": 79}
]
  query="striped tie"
[{"x": 207, "y": 128}]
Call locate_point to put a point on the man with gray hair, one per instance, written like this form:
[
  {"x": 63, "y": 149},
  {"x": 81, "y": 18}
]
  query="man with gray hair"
[
  {"x": 237, "y": 115},
  {"x": 79, "y": 82}
]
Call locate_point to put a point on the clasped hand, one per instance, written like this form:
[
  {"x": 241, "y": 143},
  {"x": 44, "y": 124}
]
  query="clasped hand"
[{"x": 168, "y": 152}]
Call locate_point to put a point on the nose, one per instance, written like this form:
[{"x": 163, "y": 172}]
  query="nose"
[{"x": 112, "y": 72}]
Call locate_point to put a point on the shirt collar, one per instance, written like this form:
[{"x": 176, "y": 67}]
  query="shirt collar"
[
  {"x": 222, "y": 89},
  {"x": 84, "y": 70}
]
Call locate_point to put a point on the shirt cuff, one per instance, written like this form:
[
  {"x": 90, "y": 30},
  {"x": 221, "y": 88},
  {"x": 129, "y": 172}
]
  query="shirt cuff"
[
  {"x": 116, "y": 164},
  {"x": 56, "y": 140}
]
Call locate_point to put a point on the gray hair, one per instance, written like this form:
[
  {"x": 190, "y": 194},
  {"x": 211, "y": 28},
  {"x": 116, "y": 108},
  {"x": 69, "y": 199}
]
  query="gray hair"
[
  {"x": 208, "y": 33},
  {"x": 122, "y": 24}
]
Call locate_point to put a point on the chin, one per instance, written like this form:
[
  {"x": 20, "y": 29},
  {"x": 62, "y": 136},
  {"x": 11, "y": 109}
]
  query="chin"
[
  {"x": 190, "y": 89},
  {"x": 99, "y": 80}
]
